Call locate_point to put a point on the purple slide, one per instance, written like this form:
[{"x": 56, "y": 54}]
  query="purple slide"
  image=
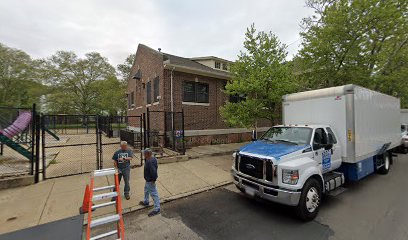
[{"x": 21, "y": 123}]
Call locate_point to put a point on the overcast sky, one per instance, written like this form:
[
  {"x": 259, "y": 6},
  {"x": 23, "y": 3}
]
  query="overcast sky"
[{"x": 188, "y": 28}]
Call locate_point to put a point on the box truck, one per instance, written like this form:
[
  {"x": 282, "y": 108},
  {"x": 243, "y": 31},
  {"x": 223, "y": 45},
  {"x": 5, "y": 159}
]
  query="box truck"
[{"x": 328, "y": 136}]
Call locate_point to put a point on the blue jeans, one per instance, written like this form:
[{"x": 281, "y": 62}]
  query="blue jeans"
[
  {"x": 125, "y": 173},
  {"x": 150, "y": 189}
]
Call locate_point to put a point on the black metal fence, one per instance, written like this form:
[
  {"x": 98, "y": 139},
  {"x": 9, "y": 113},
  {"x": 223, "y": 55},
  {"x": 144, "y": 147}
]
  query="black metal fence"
[
  {"x": 121, "y": 128},
  {"x": 19, "y": 135},
  {"x": 165, "y": 130},
  {"x": 75, "y": 144}
]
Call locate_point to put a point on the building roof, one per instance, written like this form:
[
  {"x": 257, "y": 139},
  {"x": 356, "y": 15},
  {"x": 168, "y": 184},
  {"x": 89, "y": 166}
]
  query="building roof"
[
  {"x": 189, "y": 65},
  {"x": 173, "y": 60},
  {"x": 211, "y": 58}
]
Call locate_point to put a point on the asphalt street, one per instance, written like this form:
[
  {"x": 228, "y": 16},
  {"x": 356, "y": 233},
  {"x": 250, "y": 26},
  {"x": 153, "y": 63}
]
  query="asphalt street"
[{"x": 374, "y": 208}]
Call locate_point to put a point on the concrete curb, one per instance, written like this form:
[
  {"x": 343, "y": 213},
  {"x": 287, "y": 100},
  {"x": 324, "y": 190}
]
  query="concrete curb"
[
  {"x": 211, "y": 154},
  {"x": 18, "y": 181},
  {"x": 178, "y": 196},
  {"x": 183, "y": 158},
  {"x": 173, "y": 159},
  {"x": 171, "y": 198}
]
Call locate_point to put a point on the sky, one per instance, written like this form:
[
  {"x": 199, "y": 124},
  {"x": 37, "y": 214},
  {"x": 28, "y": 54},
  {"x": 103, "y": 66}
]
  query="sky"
[{"x": 188, "y": 28}]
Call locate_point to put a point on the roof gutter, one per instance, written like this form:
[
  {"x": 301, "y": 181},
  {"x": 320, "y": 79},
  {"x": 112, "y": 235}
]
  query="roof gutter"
[{"x": 180, "y": 68}]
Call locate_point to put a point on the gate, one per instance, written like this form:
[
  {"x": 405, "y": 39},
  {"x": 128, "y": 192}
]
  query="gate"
[
  {"x": 69, "y": 144},
  {"x": 114, "y": 129},
  {"x": 165, "y": 132},
  {"x": 75, "y": 144}
]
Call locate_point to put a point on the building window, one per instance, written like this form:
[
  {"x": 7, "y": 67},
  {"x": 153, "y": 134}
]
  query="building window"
[
  {"x": 156, "y": 84},
  {"x": 218, "y": 65},
  {"x": 225, "y": 66},
  {"x": 132, "y": 99},
  {"x": 195, "y": 92},
  {"x": 189, "y": 92},
  {"x": 149, "y": 93}
]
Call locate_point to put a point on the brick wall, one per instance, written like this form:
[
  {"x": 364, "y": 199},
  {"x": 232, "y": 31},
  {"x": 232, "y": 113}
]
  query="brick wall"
[
  {"x": 150, "y": 63},
  {"x": 197, "y": 117}
]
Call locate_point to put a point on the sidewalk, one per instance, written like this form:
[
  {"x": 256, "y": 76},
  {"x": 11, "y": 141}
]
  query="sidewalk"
[{"x": 61, "y": 197}]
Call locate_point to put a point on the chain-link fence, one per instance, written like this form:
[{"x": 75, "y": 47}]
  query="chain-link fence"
[
  {"x": 16, "y": 141},
  {"x": 69, "y": 144},
  {"x": 75, "y": 144},
  {"x": 117, "y": 129}
]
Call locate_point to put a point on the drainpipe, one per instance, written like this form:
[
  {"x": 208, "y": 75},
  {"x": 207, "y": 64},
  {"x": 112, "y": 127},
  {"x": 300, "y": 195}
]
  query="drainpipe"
[
  {"x": 171, "y": 91},
  {"x": 172, "y": 107}
]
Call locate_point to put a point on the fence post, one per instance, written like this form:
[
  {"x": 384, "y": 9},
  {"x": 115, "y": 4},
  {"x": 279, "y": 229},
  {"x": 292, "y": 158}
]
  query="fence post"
[
  {"x": 144, "y": 130},
  {"x": 148, "y": 127},
  {"x": 37, "y": 147},
  {"x": 141, "y": 124},
  {"x": 182, "y": 128},
  {"x": 172, "y": 132},
  {"x": 100, "y": 148},
  {"x": 97, "y": 142},
  {"x": 32, "y": 139},
  {"x": 44, "y": 160}
]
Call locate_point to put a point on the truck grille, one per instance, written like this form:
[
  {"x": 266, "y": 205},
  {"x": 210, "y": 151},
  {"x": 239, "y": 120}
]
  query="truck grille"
[
  {"x": 269, "y": 171},
  {"x": 251, "y": 166}
]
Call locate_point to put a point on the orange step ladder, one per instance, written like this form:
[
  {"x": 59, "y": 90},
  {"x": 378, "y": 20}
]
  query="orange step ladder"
[{"x": 88, "y": 205}]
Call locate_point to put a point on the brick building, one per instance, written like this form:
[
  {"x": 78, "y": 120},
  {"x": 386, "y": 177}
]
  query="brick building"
[{"x": 165, "y": 82}]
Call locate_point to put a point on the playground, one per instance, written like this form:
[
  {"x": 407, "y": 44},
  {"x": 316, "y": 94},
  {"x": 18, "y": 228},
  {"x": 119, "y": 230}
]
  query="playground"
[
  {"x": 47, "y": 146},
  {"x": 17, "y": 141}
]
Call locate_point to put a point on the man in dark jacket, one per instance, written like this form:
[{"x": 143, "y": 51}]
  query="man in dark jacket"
[{"x": 150, "y": 175}]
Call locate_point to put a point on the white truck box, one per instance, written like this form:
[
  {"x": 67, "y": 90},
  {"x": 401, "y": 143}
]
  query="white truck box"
[
  {"x": 404, "y": 116},
  {"x": 364, "y": 120}
]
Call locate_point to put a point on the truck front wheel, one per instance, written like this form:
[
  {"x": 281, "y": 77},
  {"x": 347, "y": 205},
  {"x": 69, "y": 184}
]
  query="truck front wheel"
[{"x": 310, "y": 199}]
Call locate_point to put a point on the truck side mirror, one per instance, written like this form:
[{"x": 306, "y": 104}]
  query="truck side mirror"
[
  {"x": 317, "y": 146},
  {"x": 253, "y": 135},
  {"x": 328, "y": 146}
]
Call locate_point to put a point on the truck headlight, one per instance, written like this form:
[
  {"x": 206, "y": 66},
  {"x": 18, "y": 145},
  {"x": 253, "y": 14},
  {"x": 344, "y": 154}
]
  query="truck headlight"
[{"x": 290, "y": 176}]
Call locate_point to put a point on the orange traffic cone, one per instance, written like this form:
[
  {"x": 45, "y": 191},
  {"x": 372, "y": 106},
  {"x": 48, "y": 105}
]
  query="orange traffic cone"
[{"x": 85, "y": 203}]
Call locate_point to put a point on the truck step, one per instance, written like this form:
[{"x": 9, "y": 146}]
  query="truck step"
[
  {"x": 333, "y": 180},
  {"x": 337, "y": 191}
]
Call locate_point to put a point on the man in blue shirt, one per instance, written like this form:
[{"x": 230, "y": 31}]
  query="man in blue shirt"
[
  {"x": 150, "y": 175},
  {"x": 121, "y": 160}
]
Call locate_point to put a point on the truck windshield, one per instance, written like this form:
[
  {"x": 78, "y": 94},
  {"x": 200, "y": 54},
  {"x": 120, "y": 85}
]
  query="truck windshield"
[{"x": 290, "y": 135}]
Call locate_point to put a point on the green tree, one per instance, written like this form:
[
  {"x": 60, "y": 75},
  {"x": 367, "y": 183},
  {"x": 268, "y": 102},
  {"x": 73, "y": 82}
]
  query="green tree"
[
  {"x": 20, "y": 85},
  {"x": 112, "y": 96},
  {"x": 362, "y": 42},
  {"x": 76, "y": 82},
  {"x": 124, "y": 68},
  {"x": 260, "y": 77}
]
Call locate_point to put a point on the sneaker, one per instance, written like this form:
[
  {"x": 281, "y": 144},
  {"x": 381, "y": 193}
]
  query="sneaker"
[
  {"x": 127, "y": 196},
  {"x": 143, "y": 203},
  {"x": 153, "y": 213}
]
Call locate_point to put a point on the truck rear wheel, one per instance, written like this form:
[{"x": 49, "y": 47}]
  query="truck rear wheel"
[
  {"x": 387, "y": 164},
  {"x": 310, "y": 199}
]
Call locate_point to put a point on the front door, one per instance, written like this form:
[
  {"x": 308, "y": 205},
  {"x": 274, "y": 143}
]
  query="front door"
[{"x": 322, "y": 156}]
